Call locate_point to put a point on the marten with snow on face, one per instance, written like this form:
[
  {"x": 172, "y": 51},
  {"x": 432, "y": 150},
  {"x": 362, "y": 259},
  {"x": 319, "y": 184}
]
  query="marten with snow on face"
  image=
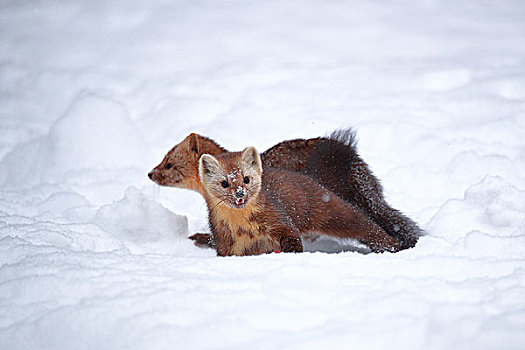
[
  {"x": 252, "y": 211},
  {"x": 331, "y": 161}
]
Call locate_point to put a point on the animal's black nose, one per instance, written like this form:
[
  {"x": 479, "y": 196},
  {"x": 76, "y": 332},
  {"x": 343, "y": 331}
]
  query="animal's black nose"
[
  {"x": 150, "y": 175},
  {"x": 239, "y": 193}
]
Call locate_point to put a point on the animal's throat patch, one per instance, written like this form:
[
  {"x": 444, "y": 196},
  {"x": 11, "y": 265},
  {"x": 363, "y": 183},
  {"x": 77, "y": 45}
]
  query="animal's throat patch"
[
  {"x": 239, "y": 219},
  {"x": 247, "y": 236}
]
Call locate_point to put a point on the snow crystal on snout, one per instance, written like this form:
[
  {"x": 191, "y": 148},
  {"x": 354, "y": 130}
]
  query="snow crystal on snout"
[{"x": 233, "y": 174}]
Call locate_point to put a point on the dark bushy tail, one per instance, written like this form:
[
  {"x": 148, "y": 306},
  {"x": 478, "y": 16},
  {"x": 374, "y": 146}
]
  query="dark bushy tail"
[{"x": 336, "y": 165}]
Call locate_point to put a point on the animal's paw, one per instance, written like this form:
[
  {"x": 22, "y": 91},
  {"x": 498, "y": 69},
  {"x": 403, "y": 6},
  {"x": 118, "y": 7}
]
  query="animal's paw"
[{"x": 203, "y": 240}]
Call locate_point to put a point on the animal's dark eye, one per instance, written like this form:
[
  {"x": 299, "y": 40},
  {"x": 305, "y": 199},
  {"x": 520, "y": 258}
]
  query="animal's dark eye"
[
  {"x": 246, "y": 180},
  {"x": 169, "y": 166},
  {"x": 225, "y": 184}
]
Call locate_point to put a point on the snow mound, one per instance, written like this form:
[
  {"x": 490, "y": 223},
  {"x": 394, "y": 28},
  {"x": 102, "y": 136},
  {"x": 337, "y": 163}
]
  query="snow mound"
[
  {"x": 142, "y": 223},
  {"x": 95, "y": 134},
  {"x": 488, "y": 221}
]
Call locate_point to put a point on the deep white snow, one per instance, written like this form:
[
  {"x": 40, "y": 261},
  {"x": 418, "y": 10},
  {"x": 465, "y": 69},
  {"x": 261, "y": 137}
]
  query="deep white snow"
[{"x": 93, "y": 93}]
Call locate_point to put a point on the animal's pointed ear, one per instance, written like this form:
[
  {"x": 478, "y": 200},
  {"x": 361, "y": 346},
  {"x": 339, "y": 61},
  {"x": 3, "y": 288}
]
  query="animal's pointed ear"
[
  {"x": 193, "y": 143},
  {"x": 251, "y": 159},
  {"x": 208, "y": 165}
]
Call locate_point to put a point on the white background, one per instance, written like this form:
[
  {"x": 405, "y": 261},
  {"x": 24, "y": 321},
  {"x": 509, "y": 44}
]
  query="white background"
[{"x": 93, "y": 94}]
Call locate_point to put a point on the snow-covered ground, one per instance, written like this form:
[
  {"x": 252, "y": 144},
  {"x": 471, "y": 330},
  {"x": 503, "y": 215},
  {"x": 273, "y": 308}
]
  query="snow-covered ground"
[{"x": 93, "y": 93}]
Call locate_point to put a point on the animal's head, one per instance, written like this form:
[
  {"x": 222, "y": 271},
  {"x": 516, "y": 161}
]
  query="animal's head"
[
  {"x": 232, "y": 179},
  {"x": 180, "y": 167}
]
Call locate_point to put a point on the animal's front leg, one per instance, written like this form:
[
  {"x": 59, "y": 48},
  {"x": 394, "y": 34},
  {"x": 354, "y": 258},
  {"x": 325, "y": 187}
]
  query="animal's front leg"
[
  {"x": 291, "y": 242},
  {"x": 203, "y": 240}
]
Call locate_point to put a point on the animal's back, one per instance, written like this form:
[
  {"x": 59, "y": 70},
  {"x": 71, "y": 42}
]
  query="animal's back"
[
  {"x": 290, "y": 155},
  {"x": 312, "y": 208}
]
